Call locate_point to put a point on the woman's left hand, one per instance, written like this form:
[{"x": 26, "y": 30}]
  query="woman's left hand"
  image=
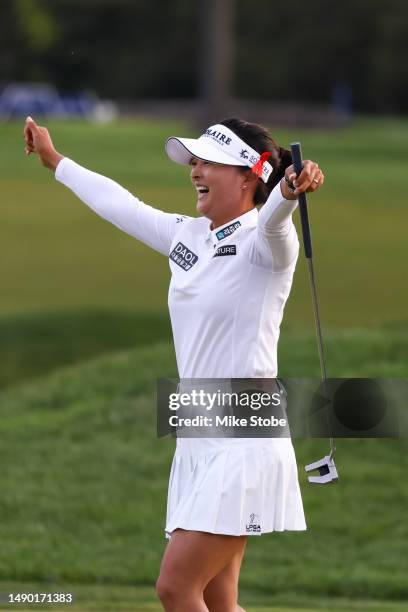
[{"x": 310, "y": 179}]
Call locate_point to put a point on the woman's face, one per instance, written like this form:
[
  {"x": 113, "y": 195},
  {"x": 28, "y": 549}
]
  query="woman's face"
[{"x": 222, "y": 190}]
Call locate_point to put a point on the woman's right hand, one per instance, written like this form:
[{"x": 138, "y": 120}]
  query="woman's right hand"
[{"x": 37, "y": 140}]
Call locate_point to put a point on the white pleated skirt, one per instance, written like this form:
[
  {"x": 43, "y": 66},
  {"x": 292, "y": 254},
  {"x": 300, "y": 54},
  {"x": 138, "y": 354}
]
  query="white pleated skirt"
[{"x": 234, "y": 487}]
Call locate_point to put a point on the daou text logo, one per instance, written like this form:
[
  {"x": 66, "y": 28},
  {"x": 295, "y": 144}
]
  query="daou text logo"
[{"x": 183, "y": 257}]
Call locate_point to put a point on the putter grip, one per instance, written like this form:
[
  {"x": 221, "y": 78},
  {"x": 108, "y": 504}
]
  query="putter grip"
[{"x": 304, "y": 217}]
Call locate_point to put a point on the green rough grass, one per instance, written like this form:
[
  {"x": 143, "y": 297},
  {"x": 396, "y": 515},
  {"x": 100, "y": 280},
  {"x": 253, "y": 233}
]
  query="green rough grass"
[
  {"x": 33, "y": 344},
  {"x": 60, "y": 256},
  {"x": 128, "y": 598},
  {"x": 84, "y": 480}
]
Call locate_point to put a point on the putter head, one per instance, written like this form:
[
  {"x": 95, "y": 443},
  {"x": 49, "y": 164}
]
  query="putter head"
[{"x": 327, "y": 471}]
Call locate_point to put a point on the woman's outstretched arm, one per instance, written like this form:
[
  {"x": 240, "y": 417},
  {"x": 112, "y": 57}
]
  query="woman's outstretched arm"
[
  {"x": 104, "y": 196},
  {"x": 276, "y": 243}
]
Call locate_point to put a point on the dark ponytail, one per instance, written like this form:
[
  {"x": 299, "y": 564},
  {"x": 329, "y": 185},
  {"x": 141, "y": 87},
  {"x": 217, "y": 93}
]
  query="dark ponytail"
[{"x": 257, "y": 137}]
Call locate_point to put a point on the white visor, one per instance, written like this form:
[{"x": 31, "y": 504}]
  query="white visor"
[{"x": 219, "y": 145}]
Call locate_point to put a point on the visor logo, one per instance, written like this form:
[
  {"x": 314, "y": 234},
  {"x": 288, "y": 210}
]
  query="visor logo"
[
  {"x": 183, "y": 257},
  {"x": 218, "y": 136}
]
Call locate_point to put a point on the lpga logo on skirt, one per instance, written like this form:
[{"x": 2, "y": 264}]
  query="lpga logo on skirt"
[{"x": 253, "y": 526}]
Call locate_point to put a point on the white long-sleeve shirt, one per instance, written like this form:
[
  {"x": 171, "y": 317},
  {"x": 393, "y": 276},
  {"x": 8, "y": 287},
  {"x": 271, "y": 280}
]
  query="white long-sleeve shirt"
[{"x": 228, "y": 287}]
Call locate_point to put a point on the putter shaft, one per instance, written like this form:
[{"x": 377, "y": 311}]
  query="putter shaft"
[
  {"x": 318, "y": 334},
  {"x": 307, "y": 244}
]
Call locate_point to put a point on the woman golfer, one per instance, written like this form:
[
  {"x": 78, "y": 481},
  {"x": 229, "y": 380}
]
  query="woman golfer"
[{"x": 232, "y": 270}]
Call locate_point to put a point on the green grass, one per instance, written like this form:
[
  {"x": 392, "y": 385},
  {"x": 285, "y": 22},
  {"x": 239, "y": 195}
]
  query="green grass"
[
  {"x": 33, "y": 344},
  {"x": 84, "y": 480},
  {"x": 59, "y": 255},
  {"x": 143, "y": 599}
]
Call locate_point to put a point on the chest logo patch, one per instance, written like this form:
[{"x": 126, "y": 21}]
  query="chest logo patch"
[
  {"x": 228, "y": 230},
  {"x": 228, "y": 249},
  {"x": 183, "y": 257}
]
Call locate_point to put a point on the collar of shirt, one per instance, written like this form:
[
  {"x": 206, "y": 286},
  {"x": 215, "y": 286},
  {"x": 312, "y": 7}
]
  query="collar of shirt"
[{"x": 216, "y": 236}]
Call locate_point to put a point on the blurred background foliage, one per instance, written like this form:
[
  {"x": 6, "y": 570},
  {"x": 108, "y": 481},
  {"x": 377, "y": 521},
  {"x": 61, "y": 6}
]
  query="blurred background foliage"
[{"x": 131, "y": 49}]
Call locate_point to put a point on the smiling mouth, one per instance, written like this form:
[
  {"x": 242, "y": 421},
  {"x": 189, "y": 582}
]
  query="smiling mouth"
[{"x": 202, "y": 190}]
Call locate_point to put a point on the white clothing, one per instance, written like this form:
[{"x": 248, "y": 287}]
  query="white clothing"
[
  {"x": 218, "y": 144},
  {"x": 227, "y": 293}
]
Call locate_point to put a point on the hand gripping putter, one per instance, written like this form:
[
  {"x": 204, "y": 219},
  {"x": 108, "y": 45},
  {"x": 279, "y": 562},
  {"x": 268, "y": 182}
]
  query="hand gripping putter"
[{"x": 327, "y": 469}]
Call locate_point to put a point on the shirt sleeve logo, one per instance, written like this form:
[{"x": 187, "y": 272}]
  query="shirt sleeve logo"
[
  {"x": 228, "y": 230},
  {"x": 227, "y": 249},
  {"x": 183, "y": 257}
]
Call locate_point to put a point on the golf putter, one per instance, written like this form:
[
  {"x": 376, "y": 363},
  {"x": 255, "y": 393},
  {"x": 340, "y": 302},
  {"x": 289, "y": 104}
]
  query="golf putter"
[{"x": 325, "y": 467}]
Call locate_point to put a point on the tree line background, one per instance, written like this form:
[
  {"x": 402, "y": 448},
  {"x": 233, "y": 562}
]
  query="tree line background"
[{"x": 135, "y": 49}]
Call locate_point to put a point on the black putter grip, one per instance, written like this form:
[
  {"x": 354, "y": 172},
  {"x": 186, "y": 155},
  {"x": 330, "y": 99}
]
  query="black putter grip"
[{"x": 304, "y": 217}]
